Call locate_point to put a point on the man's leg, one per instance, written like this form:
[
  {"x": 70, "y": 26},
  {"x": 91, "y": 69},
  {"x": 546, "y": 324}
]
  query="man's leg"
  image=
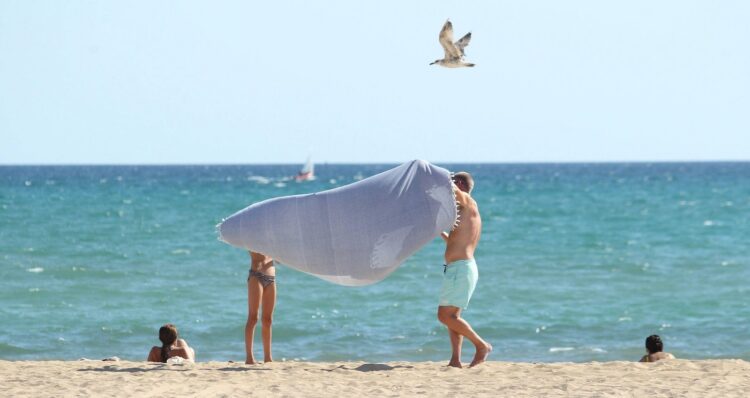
[
  {"x": 456, "y": 342},
  {"x": 254, "y": 291},
  {"x": 455, "y": 337},
  {"x": 269, "y": 302},
  {"x": 450, "y": 317}
]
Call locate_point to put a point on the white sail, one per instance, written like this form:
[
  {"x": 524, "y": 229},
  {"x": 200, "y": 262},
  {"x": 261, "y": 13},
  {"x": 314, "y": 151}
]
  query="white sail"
[{"x": 307, "y": 172}]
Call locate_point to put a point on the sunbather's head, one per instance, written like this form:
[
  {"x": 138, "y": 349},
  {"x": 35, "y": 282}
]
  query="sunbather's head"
[
  {"x": 167, "y": 335},
  {"x": 654, "y": 344}
]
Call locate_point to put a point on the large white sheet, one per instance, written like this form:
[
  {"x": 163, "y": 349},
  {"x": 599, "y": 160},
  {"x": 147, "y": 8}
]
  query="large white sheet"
[{"x": 352, "y": 235}]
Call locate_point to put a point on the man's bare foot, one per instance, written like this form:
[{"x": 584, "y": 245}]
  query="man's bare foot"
[
  {"x": 455, "y": 364},
  {"x": 267, "y": 360},
  {"x": 481, "y": 355},
  {"x": 250, "y": 361}
]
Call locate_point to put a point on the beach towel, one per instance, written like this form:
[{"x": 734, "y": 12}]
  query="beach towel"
[{"x": 353, "y": 235}]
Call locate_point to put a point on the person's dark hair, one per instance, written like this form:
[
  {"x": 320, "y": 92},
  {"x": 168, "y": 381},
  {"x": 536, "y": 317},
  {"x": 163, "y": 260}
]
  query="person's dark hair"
[
  {"x": 167, "y": 335},
  {"x": 654, "y": 344},
  {"x": 466, "y": 178}
]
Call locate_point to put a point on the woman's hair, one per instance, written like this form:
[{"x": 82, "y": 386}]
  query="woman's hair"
[
  {"x": 654, "y": 344},
  {"x": 167, "y": 335}
]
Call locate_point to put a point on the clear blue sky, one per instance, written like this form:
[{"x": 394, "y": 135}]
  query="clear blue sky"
[{"x": 349, "y": 81}]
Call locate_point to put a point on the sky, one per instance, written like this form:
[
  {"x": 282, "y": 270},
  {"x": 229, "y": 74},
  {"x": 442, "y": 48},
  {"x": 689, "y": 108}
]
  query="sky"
[{"x": 186, "y": 82}]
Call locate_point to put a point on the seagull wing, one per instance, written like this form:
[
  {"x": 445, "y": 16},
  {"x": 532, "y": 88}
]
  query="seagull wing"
[
  {"x": 446, "y": 40},
  {"x": 461, "y": 44}
]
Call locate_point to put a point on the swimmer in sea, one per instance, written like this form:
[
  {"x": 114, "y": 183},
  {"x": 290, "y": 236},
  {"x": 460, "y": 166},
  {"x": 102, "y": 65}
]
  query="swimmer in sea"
[{"x": 261, "y": 294}]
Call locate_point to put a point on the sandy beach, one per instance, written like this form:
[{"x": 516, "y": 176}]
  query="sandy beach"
[{"x": 677, "y": 378}]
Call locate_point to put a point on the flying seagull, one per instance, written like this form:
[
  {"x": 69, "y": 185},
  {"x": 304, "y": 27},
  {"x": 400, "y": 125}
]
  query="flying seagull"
[{"x": 454, "y": 52}]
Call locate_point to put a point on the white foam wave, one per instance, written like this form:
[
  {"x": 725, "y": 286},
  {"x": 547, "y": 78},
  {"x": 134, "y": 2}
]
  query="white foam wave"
[{"x": 259, "y": 180}]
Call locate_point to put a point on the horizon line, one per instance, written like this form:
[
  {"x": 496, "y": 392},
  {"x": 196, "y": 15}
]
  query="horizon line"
[{"x": 343, "y": 163}]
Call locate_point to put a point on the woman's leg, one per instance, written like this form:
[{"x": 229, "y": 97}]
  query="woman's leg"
[
  {"x": 254, "y": 292},
  {"x": 269, "y": 302}
]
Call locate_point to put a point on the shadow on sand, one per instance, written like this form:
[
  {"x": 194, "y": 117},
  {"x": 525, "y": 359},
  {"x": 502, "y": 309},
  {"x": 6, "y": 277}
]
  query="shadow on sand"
[
  {"x": 127, "y": 370},
  {"x": 172, "y": 368},
  {"x": 370, "y": 367}
]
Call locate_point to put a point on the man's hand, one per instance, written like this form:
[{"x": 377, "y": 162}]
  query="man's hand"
[{"x": 462, "y": 198}]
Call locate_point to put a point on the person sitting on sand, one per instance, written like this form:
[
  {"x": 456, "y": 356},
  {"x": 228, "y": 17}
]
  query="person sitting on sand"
[
  {"x": 654, "y": 347},
  {"x": 261, "y": 295},
  {"x": 172, "y": 346}
]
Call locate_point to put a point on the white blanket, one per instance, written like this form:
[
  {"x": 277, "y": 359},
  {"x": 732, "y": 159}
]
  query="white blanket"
[{"x": 352, "y": 235}]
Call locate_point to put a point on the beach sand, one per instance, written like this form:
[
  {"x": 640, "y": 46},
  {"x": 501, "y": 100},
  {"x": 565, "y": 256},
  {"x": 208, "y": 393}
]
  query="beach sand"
[{"x": 677, "y": 378}]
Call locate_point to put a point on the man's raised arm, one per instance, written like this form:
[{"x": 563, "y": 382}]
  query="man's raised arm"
[{"x": 462, "y": 198}]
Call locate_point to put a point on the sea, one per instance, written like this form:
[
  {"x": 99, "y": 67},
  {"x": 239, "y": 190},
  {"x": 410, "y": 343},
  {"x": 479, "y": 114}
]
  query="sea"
[{"x": 577, "y": 263}]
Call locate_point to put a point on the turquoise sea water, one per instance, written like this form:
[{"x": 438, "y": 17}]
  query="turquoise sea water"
[{"x": 578, "y": 262}]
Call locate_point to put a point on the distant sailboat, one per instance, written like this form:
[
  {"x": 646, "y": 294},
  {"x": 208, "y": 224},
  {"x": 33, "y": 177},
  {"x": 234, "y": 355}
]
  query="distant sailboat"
[{"x": 307, "y": 173}]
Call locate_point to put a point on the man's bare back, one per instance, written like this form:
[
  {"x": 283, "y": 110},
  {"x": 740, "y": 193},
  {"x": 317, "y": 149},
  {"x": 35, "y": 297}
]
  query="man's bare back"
[{"x": 463, "y": 240}]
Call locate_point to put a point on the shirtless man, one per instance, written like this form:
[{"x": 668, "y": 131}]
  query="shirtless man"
[
  {"x": 460, "y": 273},
  {"x": 261, "y": 294}
]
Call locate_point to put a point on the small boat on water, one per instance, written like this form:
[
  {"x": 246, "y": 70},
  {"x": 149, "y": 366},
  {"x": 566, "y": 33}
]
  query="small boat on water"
[{"x": 307, "y": 173}]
